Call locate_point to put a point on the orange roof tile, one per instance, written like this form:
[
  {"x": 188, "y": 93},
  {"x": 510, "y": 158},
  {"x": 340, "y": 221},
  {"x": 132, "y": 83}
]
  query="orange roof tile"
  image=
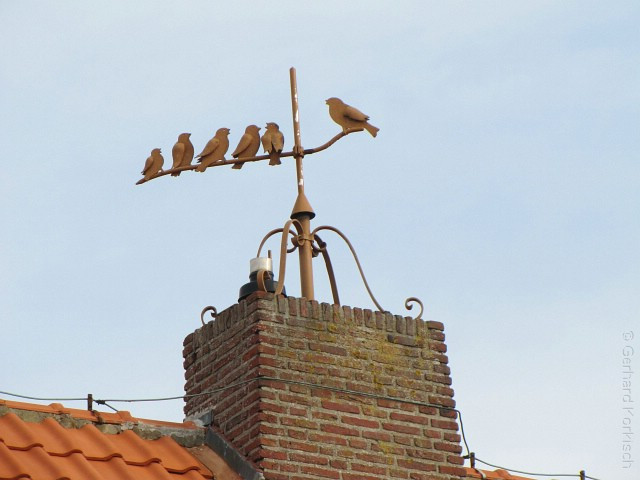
[
  {"x": 49, "y": 451},
  {"x": 492, "y": 475}
]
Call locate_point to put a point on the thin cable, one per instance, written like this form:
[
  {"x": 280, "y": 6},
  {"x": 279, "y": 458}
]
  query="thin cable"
[
  {"x": 536, "y": 474},
  {"x": 44, "y": 399},
  {"x": 102, "y": 402},
  {"x": 311, "y": 385},
  {"x": 192, "y": 395}
]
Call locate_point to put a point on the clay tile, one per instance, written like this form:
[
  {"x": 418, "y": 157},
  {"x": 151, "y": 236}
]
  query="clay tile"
[
  {"x": 126, "y": 416},
  {"x": 57, "y": 407}
]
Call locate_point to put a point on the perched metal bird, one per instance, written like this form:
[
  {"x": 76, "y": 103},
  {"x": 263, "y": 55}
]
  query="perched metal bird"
[
  {"x": 273, "y": 143},
  {"x": 182, "y": 152},
  {"x": 153, "y": 164},
  {"x": 214, "y": 150},
  {"x": 349, "y": 118},
  {"x": 248, "y": 145}
]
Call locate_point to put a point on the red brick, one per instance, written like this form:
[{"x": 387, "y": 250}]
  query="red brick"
[
  {"x": 341, "y": 407},
  {"x": 358, "y": 476},
  {"x": 372, "y": 458},
  {"x": 305, "y": 458},
  {"x": 448, "y": 447},
  {"x": 320, "y": 472},
  {"x": 358, "y": 443},
  {"x": 318, "y": 437},
  {"x": 409, "y": 418},
  {"x": 297, "y": 434},
  {"x": 360, "y": 422},
  {"x": 375, "y": 435},
  {"x": 339, "y": 464},
  {"x": 298, "y": 411},
  {"x": 265, "y": 453},
  {"x": 415, "y": 465},
  {"x": 395, "y": 427},
  {"x": 432, "y": 325},
  {"x": 458, "y": 471},
  {"x": 340, "y": 430},
  {"x": 398, "y": 473},
  {"x": 305, "y": 447},
  {"x": 368, "y": 468},
  {"x": 332, "y": 349}
]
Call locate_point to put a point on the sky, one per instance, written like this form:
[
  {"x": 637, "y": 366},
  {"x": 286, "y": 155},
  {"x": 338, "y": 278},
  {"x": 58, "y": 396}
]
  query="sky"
[{"x": 502, "y": 190}]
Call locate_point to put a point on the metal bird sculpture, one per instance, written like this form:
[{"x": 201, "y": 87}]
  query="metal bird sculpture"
[
  {"x": 182, "y": 152},
  {"x": 349, "y": 118},
  {"x": 153, "y": 164},
  {"x": 248, "y": 145},
  {"x": 273, "y": 143},
  {"x": 214, "y": 150}
]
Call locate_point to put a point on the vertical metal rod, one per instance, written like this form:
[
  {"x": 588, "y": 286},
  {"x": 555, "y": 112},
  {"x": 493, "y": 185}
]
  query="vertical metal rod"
[
  {"x": 302, "y": 210},
  {"x": 296, "y": 129}
]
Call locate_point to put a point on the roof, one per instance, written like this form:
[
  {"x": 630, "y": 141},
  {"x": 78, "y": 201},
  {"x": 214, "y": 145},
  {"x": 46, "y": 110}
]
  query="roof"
[
  {"x": 51, "y": 442},
  {"x": 492, "y": 475}
]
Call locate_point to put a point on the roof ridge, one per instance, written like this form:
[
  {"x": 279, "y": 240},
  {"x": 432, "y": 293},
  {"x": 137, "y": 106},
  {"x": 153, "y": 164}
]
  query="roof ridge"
[{"x": 186, "y": 434}]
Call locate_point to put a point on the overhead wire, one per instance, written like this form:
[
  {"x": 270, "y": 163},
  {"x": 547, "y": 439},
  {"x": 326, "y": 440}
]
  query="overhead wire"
[
  {"x": 311, "y": 385},
  {"x": 535, "y": 474}
]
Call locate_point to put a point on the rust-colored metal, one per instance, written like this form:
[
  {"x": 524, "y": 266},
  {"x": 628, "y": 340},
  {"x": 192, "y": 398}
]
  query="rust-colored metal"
[
  {"x": 322, "y": 248},
  {"x": 258, "y": 158},
  {"x": 408, "y": 306},
  {"x": 349, "y": 118},
  {"x": 303, "y": 239},
  {"x": 213, "y": 310},
  {"x": 302, "y": 210},
  {"x": 272, "y": 233},
  {"x": 355, "y": 257}
]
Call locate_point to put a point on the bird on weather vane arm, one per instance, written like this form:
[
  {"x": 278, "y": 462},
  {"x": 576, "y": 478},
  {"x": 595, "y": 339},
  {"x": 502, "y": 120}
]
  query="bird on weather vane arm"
[
  {"x": 273, "y": 143},
  {"x": 349, "y": 118},
  {"x": 182, "y": 152},
  {"x": 248, "y": 145},
  {"x": 153, "y": 164},
  {"x": 214, "y": 150}
]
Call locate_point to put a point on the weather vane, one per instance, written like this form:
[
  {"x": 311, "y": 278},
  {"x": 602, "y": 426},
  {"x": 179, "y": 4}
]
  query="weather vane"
[{"x": 303, "y": 239}]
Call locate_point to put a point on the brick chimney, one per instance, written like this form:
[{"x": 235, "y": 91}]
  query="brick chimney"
[{"x": 318, "y": 391}]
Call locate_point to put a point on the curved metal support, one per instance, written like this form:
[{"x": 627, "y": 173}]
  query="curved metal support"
[
  {"x": 408, "y": 306},
  {"x": 261, "y": 277},
  {"x": 355, "y": 257},
  {"x": 213, "y": 310},
  {"x": 258, "y": 158},
  {"x": 272, "y": 233},
  {"x": 282, "y": 268},
  {"x": 322, "y": 248}
]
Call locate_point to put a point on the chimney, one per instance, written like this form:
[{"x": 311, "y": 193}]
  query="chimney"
[{"x": 310, "y": 390}]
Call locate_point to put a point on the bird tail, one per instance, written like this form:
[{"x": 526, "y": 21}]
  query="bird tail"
[
  {"x": 237, "y": 166},
  {"x": 371, "y": 129},
  {"x": 274, "y": 158},
  {"x": 175, "y": 174}
]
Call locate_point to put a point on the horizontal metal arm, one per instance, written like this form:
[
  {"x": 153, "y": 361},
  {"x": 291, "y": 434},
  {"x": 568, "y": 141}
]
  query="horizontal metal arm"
[{"x": 307, "y": 151}]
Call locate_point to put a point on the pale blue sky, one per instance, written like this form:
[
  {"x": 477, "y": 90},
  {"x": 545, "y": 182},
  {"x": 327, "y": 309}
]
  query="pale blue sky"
[{"x": 502, "y": 190}]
